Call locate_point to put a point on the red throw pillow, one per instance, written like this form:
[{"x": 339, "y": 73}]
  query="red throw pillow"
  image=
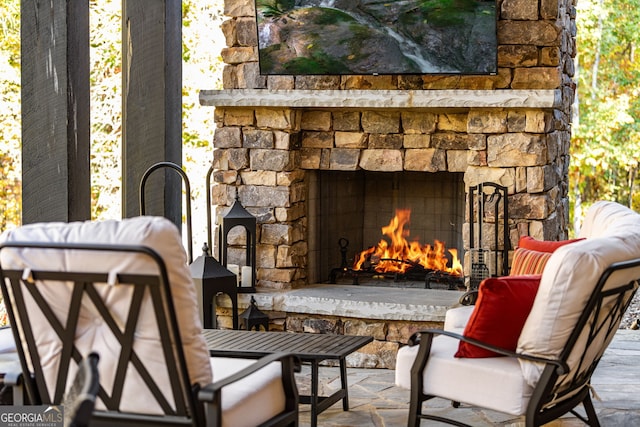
[
  {"x": 528, "y": 242},
  {"x": 502, "y": 308}
]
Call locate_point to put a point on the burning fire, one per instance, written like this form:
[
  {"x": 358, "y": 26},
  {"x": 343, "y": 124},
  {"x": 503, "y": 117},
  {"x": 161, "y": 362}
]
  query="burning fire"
[{"x": 401, "y": 255}]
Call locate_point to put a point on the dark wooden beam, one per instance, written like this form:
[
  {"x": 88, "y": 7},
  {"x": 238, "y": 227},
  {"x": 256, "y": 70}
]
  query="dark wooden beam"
[
  {"x": 152, "y": 105},
  {"x": 55, "y": 111}
]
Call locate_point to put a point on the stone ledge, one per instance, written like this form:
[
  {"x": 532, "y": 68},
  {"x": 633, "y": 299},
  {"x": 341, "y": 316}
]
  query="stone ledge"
[
  {"x": 507, "y": 98},
  {"x": 390, "y": 315},
  {"x": 364, "y": 302}
]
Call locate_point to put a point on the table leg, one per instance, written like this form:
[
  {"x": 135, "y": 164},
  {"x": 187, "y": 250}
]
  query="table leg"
[
  {"x": 343, "y": 382},
  {"x": 314, "y": 393}
]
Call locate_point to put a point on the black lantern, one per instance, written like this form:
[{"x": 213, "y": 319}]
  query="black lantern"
[
  {"x": 239, "y": 216},
  {"x": 211, "y": 279},
  {"x": 252, "y": 317}
]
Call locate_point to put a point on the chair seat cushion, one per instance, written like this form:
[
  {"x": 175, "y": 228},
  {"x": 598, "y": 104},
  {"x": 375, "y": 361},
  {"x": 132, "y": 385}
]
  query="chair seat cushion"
[
  {"x": 252, "y": 400},
  {"x": 471, "y": 381},
  {"x": 9, "y": 360}
]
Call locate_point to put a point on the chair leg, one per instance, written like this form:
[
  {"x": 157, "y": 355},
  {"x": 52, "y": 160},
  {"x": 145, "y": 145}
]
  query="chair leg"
[
  {"x": 591, "y": 412},
  {"x": 415, "y": 409}
]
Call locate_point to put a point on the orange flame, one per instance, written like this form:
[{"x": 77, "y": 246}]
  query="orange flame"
[{"x": 399, "y": 255}]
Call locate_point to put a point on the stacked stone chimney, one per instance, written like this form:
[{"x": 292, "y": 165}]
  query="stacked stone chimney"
[{"x": 512, "y": 128}]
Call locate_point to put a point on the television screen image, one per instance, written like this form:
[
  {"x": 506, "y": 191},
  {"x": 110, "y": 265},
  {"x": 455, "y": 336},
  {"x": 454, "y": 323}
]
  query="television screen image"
[{"x": 316, "y": 37}]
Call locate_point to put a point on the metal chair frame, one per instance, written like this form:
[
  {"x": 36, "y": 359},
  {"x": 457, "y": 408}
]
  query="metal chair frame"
[
  {"x": 191, "y": 401},
  {"x": 559, "y": 389}
]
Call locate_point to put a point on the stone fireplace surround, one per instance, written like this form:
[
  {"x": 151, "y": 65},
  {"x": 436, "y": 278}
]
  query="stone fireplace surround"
[
  {"x": 273, "y": 134},
  {"x": 265, "y": 155}
]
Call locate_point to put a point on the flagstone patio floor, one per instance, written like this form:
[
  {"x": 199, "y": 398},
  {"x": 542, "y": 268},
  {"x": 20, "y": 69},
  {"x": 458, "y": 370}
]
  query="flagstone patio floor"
[{"x": 376, "y": 402}]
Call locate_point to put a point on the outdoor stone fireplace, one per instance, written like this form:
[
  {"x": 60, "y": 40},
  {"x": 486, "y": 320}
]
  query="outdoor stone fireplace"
[{"x": 280, "y": 139}]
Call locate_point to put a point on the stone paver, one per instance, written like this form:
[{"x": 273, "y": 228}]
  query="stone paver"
[{"x": 376, "y": 402}]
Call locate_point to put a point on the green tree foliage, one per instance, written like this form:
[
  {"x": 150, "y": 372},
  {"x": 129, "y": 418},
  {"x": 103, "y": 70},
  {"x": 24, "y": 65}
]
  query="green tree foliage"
[
  {"x": 10, "y": 196},
  {"x": 106, "y": 108},
  {"x": 202, "y": 44},
  {"x": 605, "y": 148}
]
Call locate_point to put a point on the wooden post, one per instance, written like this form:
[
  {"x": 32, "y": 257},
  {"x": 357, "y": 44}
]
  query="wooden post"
[
  {"x": 152, "y": 105},
  {"x": 55, "y": 111}
]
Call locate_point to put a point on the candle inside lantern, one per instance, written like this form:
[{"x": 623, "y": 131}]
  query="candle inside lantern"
[
  {"x": 235, "y": 269},
  {"x": 247, "y": 276}
]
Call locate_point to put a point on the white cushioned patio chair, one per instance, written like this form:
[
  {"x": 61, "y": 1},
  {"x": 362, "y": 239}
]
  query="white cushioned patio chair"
[
  {"x": 544, "y": 369},
  {"x": 123, "y": 290}
]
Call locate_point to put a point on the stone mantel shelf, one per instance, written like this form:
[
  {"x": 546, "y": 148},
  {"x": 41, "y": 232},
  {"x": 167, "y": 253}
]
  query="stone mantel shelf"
[{"x": 508, "y": 98}]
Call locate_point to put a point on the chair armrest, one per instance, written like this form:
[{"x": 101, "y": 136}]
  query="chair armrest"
[
  {"x": 416, "y": 338},
  {"x": 12, "y": 385},
  {"x": 290, "y": 364},
  {"x": 211, "y": 394},
  {"x": 469, "y": 297}
]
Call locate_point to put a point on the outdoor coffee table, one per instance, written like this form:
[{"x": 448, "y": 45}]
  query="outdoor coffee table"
[{"x": 310, "y": 348}]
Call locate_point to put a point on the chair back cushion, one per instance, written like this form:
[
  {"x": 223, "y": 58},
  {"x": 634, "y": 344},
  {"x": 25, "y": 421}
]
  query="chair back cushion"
[
  {"x": 569, "y": 279},
  {"x": 606, "y": 219},
  {"x": 91, "y": 333}
]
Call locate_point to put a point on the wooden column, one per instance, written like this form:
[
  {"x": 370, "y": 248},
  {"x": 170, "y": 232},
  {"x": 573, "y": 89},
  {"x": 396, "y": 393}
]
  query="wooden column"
[
  {"x": 55, "y": 111},
  {"x": 152, "y": 105}
]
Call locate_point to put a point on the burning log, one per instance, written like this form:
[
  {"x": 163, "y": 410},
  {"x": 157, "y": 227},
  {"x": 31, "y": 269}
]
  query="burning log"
[{"x": 401, "y": 256}]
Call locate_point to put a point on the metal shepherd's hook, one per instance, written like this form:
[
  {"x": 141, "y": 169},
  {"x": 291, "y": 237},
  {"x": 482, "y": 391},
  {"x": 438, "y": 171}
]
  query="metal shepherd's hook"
[{"x": 187, "y": 187}]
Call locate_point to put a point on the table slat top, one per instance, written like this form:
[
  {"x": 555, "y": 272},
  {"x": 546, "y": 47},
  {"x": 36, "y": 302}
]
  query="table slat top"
[{"x": 304, "y": 345}]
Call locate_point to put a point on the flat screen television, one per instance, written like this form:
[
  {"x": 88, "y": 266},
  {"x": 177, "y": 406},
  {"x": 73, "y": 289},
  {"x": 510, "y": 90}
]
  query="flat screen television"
[{"x": 318, "y": 37}]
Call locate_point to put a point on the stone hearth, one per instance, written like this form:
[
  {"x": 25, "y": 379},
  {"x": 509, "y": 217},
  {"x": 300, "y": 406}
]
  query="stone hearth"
[{"x": 389, "y": 315}]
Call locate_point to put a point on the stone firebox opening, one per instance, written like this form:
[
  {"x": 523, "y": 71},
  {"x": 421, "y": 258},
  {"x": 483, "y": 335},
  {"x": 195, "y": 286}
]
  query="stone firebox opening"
[{"x": 350, "y": 209}]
